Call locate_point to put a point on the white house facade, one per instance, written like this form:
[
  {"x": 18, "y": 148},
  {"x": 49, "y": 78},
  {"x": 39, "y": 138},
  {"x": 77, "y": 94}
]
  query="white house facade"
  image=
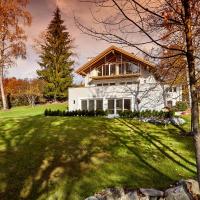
[{"x": 116, "y": 80}]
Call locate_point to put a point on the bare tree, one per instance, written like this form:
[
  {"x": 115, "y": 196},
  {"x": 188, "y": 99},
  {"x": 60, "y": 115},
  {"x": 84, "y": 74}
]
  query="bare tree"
[
  {"x": 161, "y": 24},
  {"x": 13, "y": 18}
]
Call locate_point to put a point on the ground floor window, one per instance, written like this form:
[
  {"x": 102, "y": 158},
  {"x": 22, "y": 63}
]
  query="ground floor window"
[
  {"x": 99, "y": 104},
  {"x": 114, "y": 106},
  {"x": 169, "y": 104},
  {"x": 111, "y": 106},
  {"x": 127, "y": 104},
  {"x": 84, "y": 105},
  {"x": 92, "y": 104},
  {"x": 117, "y": 105}
]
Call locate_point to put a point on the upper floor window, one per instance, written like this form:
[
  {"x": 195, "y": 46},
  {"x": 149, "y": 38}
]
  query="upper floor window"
[
  {"x": 112, "y": 69},
  {"x": 118, "y": 69},
  {"x": 105, "y": 70},
  {"x": 100, "y": 71}
]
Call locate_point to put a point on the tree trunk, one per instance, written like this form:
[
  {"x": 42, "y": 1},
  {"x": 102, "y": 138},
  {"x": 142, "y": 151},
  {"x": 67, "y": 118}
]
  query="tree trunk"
[
  {"x": 192, "y": 83},
  {"x": 3, "y": 97}
]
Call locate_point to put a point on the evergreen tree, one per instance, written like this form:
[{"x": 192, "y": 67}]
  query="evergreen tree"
[{"x": 55, "y": 60}]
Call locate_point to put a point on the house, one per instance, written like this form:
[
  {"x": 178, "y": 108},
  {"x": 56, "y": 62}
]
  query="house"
[{"x": 116, "y": 80}]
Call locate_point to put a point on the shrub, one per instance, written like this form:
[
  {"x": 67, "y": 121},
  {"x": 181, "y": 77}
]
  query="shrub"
[
  {"x": 92, "y": 113},
  {"x": 147, "y": 114},
  {"x": 181, "y": 106}
]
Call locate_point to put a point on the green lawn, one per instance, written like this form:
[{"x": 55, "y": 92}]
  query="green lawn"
[{"x": 71, "y": 158}]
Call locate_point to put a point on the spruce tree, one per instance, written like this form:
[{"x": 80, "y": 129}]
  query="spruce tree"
[{"x": 55, "y": 60}]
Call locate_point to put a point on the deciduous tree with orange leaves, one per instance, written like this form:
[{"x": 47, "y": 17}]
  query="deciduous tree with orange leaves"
[
  {"x": 157, "y": 24},
  {"x": 13, "y": 17}
]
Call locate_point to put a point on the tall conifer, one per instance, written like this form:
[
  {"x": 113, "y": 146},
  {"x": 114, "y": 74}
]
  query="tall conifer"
[{"x": 55, "y": 60}]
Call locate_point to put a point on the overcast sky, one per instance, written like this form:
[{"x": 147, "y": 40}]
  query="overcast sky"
[{"x": 42, "y": 11}]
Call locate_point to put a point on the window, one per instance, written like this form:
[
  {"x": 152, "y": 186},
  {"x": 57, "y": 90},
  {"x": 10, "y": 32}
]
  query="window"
[
  {"x": 91, "y": 105},
  {"x": 122, "y": 83},
  {"x": 129, "y": 83},
  {"x": 112, "y": 84},
  {"x": 100, "y": 71},
  {"x": 121, "y": 69},
  {"x": 175, "y": 90},
  {"x": 112, "y": 69},
  {"x": 74, "y": 101},
  {"x": 169, "y": 104},
  {"x": 119, "y": 105},
  {"x": 129, "y": 68},
  {"x": 127, "y": 104},
  {"x": 83, "y": 104},
  {"x": 99, "y": 104},
  {"x": 111, "y": 106},
  {"x": 135, "y": 68},
  {"x": 99, "y": 84},
  {"x": 106, "y": 70},
  {"x": 105, "y": 84}
]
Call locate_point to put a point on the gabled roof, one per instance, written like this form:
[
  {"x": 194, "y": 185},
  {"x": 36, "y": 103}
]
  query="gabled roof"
[{"x": 82, "y": 70}]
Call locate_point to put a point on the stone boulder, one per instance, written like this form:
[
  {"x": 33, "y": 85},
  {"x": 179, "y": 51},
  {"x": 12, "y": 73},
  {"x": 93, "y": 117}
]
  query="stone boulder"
[
  {"x": 192, "y": 187},
  {"x": 177, "y": 121},
  {"x": 152, "y": 192},
  {"x": 177, "y": 193}
]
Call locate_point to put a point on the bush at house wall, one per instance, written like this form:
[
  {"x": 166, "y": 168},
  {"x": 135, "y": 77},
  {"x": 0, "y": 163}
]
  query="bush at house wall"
[
  {"x": 147, "y": 114},
  {"x": 80, "y": 113},
  {"x": 181, "y": 106}
]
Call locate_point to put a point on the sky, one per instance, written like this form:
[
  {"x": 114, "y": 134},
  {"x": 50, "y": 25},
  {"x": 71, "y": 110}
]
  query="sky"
[{"x": 42, "y": 13}]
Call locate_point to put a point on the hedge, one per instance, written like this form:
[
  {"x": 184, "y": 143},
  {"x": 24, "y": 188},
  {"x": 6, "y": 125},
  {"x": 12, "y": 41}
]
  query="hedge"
[
  {"x": 147, "y": 114},
  {"x": 124, "y": 114},
  {"x": 49, "y": 112}
]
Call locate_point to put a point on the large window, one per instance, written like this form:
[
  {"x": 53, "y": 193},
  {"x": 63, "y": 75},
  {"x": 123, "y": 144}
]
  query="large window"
[
  {"x": 129, "y": 69},
  {"x": 111, "y": 106},
  {"x": 99, "y": 104},
  {"x": 106, "y": 70},
  {"x": 119, "y": 105},
  {"x": 91, "y": 105},
  {"x": 100, "y": 71},
  {"x": 112, "y": 69},
  {"x": 84, "y": 105},
  {"x": 127, "y": 104},
  {"x": 121, "y": 69}
]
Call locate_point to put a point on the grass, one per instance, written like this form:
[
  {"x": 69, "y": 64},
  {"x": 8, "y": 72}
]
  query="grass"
[{"x": 73, "y": 157}]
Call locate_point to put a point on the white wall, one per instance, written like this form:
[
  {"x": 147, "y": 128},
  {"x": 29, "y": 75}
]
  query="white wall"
[
  {"x": 145, "y": 88},
  {"x": 150, "y": 95}
]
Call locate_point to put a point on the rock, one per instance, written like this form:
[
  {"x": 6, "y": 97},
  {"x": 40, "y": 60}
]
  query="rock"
[
  {"x": 152, "y": 192},
  {"x": 176, "y": 193},
  {"x": 154, "y": 198},
  {"x": 144, "y": 198},
  {"x": 192, "y": 186},
  {"x": 111, "y": 194},
  {"x": 131, "y": 196},
  {"x": 92, "y": 198},
  {"x": 177, "y": 120}
]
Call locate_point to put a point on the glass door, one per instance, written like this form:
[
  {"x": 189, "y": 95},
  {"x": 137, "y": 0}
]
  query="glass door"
[{"x": 119, "y": 105}]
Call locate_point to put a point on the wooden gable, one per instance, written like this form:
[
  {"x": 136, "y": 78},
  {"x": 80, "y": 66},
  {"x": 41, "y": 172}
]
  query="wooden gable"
[{"x": 113, "y": 54}]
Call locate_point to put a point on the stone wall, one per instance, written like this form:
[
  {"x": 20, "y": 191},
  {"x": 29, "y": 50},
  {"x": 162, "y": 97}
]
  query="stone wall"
[{"x": 182, "y": 190}]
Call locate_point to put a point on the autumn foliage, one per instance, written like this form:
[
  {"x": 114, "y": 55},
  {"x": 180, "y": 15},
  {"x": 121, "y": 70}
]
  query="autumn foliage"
[{"x": 24, "y": 91}]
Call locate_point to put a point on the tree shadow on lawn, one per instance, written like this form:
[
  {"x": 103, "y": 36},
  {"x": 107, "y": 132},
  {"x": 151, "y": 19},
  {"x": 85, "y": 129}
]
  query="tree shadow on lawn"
[
  {"x": 70, "y": 158},
  {"x": 39, "y": 151},
  {"x": 164, "y": 149}
]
